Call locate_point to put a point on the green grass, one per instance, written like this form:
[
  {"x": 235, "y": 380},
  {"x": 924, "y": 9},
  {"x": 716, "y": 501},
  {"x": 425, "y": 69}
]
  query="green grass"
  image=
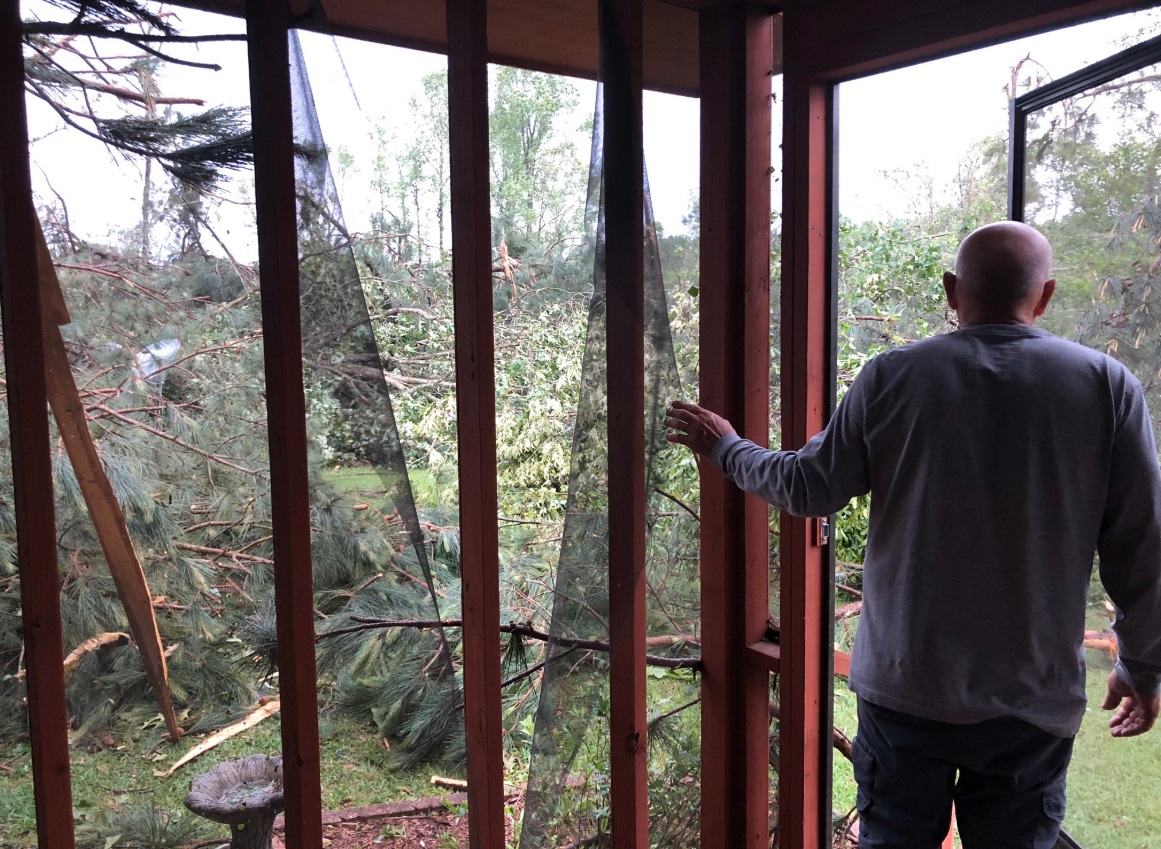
[
  {"x": 845, "y": 721},
  {"x": 1114, "y": 786},
  {"x": 355, "y": 772},
  {"x": 356, "y": 479}
]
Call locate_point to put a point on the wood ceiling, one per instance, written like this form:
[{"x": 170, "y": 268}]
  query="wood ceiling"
[
  {"x": 559, "y": 36},
  {"x": 836, "y": 39}
]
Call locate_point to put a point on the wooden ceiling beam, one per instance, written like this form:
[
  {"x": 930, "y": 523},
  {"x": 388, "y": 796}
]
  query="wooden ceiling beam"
[
  {"x": 842, "y": 39},
  {"x": 554, "y": 36}
]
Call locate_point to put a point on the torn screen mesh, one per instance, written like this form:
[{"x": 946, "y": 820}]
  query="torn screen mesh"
[
  {"x": 572, "y": 710},
  {"x": 568, "y": 761},
  {"x": 341, "y": 359}
]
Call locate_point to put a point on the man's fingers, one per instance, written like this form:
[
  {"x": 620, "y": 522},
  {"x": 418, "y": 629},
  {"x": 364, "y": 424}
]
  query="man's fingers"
[
  {"x": 1111, "y": 700},
  {"x": 1128, "y": 723},
  {"x": 1135, "y": 717}
]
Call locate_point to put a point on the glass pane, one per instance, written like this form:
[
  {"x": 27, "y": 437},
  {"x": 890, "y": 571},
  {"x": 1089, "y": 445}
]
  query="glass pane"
[
  {"x": 1091, "y": 187},
  {"x": 155, "y": 258}
]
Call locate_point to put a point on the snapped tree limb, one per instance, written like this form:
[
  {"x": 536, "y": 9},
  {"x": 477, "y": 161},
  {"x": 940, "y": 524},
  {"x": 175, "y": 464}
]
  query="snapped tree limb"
[{"x": 108, "y": 520}]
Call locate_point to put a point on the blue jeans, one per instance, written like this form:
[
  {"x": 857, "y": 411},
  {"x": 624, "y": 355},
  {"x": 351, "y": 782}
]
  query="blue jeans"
[{"x": 1005, "y": 776}]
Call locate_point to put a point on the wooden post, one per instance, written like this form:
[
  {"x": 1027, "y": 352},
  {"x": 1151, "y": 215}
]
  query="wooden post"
[
  {"x": 804, "y": 772},
  {"x": 620, "y": 73},
  {"x": 476, "y": 416},
  {"x": 736, "y": 55},
  {"x": 267, "y": 27},
  {"x": 31, "y": 458}
]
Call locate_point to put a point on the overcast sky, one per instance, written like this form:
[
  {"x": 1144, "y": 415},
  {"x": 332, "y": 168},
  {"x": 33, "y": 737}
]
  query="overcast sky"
[{"x": 918, "y": 120}]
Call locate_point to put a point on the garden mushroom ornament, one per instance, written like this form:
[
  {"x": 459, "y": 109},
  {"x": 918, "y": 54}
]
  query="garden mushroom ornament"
[{"x": 245, "y": 794}]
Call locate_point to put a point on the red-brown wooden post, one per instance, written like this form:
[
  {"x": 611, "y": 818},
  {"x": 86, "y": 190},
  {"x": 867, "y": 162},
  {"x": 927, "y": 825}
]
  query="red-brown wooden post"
[
  {"x": 267, "y": 29},
  {"x": 31, "y": 458},
  {"x": 476, "y": 415},
  {"x": 804, "y": 772},
  {"x": 620, "y": 72},
  {"x": 736, "y": 54}
]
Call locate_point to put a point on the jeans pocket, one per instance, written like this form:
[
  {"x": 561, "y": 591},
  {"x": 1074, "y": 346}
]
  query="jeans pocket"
[
  {"x": 863, "y": 766},
  {"x": 862, "y": 800},
  {"x": 1052, "y": 807},
  {"x": 1053, "y": 804}
]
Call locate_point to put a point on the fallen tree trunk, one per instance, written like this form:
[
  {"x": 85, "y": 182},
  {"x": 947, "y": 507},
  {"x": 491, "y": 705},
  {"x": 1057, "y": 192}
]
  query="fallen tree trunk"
[{"x": 404, "y": 808}]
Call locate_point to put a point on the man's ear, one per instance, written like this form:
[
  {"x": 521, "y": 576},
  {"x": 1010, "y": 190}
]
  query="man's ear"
[
  {"x": 1045, "y": 297},
  {"x": 949, "y": 287}
]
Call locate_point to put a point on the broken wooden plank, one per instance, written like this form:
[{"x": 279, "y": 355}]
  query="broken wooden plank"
[
  {"x": 91, "y": 644},
  {"x": 105, "y": 511},
  {"x": 222, "y": 735}
]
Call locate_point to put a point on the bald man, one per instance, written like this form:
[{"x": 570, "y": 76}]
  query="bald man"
[{"x": 999, "y": 459}]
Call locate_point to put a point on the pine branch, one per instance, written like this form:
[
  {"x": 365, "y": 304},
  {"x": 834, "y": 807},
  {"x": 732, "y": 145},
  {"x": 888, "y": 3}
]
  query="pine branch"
[
  {"x": 200, "y": 352},
  {"x": 104, "y": 12},
  {"x": 664, "y": 716},
  {"x": 224, "y": 139},
  {"x": 849, "y": 610},
  {"x": 102, "y": 31},
  {"x": 532, "y": 670},
  {"x": 517, "y": 628},
  {"x": 138, "y": 97},
  {"x": 223, "y": 552},
  {"x": 96, "y": 269},
  {"x": 109, "y": 411}
]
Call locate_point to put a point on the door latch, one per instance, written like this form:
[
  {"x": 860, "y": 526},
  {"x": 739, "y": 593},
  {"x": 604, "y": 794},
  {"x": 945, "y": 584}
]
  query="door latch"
[{"x": 821, "y": 531}]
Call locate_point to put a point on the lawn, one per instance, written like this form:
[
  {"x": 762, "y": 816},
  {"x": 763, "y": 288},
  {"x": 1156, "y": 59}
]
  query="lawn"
[
  {"x": 113, "y": 779},
  {"x": 1114, "y": 788},
  {"x": 356, "y": 480}
]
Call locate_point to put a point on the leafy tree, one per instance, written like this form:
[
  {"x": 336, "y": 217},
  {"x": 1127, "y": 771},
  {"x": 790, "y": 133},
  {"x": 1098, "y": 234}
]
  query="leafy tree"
[{"x": 537, "y": 177}]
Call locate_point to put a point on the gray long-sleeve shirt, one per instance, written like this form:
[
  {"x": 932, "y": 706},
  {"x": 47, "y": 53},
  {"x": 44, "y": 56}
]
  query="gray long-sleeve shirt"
[{"x": 999, "y": 459}]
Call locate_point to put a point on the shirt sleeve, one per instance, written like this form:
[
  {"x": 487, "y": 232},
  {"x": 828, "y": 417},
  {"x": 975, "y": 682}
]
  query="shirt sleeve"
[
  {"x": 1130, "y": 544},
  {"x": 819, "y": 478}
]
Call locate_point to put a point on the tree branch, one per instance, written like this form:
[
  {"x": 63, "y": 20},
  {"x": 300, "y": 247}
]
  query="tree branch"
[
  {"x": 521, "y": 629},
  {"x": 99, "y": 31},
  {"x": 223, "y": 552},
  {"x": 678, "y": 502},
  {"x": 109, "y": 411}
]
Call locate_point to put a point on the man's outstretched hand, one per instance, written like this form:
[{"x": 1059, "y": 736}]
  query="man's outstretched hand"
[
  {"x": 1137, "y": 712},
  {"x": 696, "y": 427}
]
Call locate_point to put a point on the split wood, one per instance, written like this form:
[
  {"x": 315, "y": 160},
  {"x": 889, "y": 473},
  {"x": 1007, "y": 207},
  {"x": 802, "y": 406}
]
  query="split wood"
[
  {"x": 217, "y": 738},
  {"x": 104, "y": 510}
]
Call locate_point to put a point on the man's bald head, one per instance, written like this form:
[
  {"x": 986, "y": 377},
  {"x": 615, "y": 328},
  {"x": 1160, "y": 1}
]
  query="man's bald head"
[{"x": 1006, "y": 261}]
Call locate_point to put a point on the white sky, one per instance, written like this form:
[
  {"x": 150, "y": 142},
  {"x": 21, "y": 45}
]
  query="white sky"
[
  {"x": 923, "y": 118},
  {"x": 918, "y": 120}
]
